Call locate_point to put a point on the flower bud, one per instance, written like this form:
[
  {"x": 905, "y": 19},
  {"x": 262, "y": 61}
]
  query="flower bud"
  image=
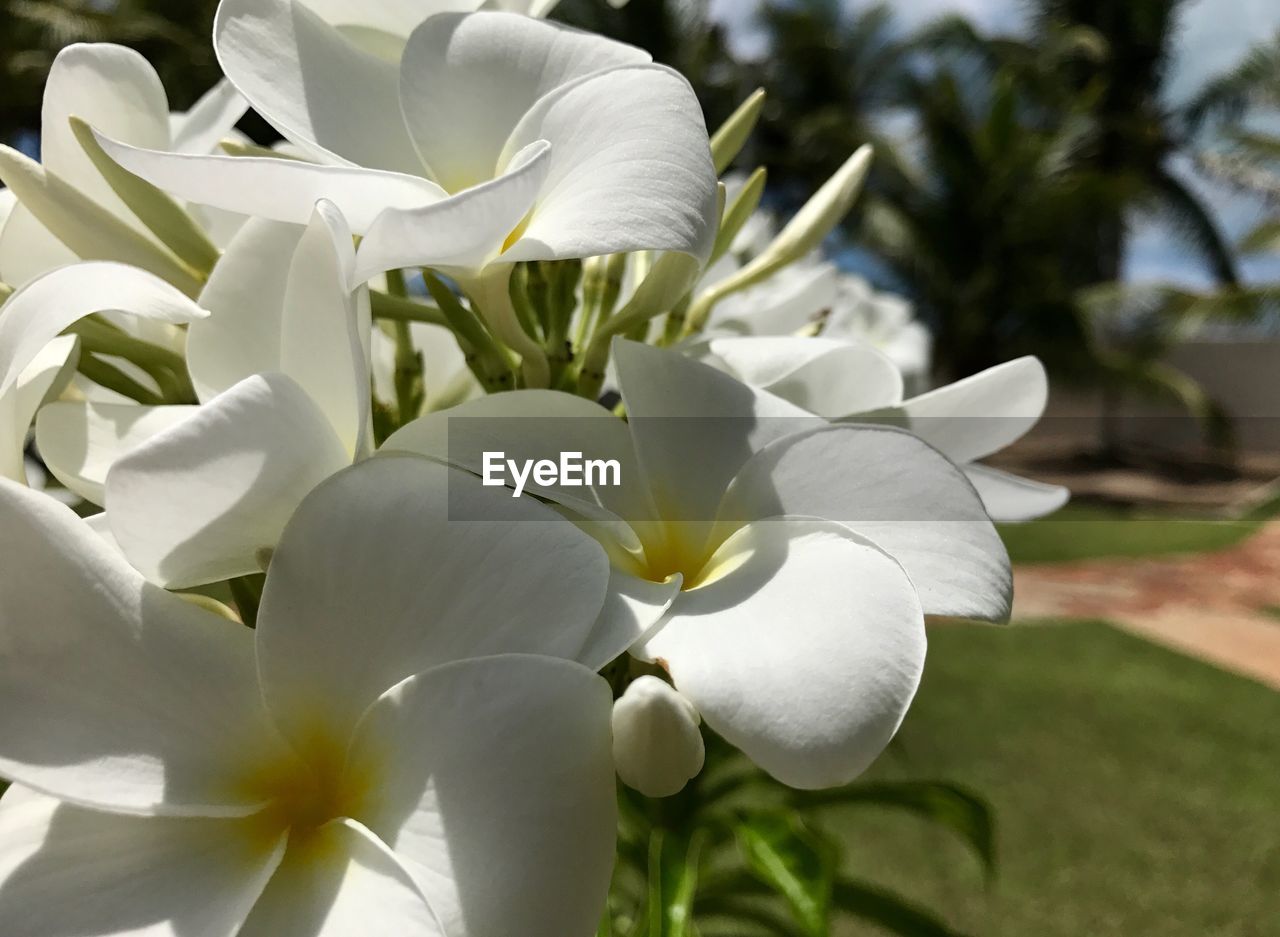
[
  {"x": 657, "y": 747},
  {"x": 728, "y": 141}
]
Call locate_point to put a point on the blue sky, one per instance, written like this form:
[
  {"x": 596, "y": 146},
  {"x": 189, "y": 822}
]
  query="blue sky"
[{"x": 1215, "y": 34}]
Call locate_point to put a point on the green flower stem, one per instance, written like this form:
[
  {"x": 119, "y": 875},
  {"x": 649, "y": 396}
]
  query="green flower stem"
[
  {"x": 397, "y": 309},
  {"x": 526, "y": 313},
  {"x": 668, "y": 281},
  {"x": 488, "y": 362},
  {"x": 112, "y": 378},
  {"x": 408, "y": 378},
  {"x": 167, "y": 368},
  {"x": 490, "y": 293},
  {"x": 563, "y": 278}
]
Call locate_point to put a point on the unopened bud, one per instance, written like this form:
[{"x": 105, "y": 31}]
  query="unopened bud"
[{"x": 657, "y": 747}]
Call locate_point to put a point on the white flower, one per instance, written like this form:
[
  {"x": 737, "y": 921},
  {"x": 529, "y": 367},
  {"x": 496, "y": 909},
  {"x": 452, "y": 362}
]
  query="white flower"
[
  {"x": 35, "y": 362},
  {"x": 807, "y": 553},
  {"x": 492, "y": 138},
  {"x": 196, "y": 493},
  {"x": 966, "y": 421},
  {"x": 115, "y": 89},
  {"x": 885, "y": 321},
  {"x": 792, "y": 300},
  {"x": 384, "y": 751},
  {"x": 280, "y": 362}
]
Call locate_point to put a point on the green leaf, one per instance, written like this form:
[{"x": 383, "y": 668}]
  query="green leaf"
[
  {"x": 889, "y": 911},
  {"x": 795, "y": 861},
  {"x": 963, "y": 812},
  {"x": 673, "y": 882},
  {"x": 163, "y": 216}
]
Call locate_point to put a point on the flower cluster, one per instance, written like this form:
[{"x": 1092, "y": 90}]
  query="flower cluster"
[{"x": 271, "y": 376}]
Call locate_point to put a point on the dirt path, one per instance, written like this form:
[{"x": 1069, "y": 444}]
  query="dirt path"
[{"x": 1221, "y": 607}]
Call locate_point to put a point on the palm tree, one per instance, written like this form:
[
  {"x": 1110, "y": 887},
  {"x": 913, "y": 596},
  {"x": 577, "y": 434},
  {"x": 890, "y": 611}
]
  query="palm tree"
[
  {"x": 976, "y": 224},
  {"x": 679, "y": 33},
  {"x": 1136, "y": 131},
  {"x": 831, "y": 74},
  {"x": 172, "y": 34}
]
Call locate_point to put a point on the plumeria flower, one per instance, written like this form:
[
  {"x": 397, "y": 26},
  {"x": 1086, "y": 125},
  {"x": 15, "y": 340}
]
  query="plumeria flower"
[
  {"x": 967, "y": 421},
  {"x": 491, "y": 138},
  {"x": 67, "y": 210},
  {"x": 279, "y": 359},
  {"x": 885, "y": 321},
  {"x": 793, "y": 300},
  {"x": 404, "y": 746},
  {"x": 807, "y": 554},
  {"x": 197, "y": 492},
  {"x": 35, "y": 362}
]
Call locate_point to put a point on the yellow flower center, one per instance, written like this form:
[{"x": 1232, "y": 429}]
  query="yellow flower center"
[
  {"x": 305, "y": 793},
  {"x": 671, "y": 547}
]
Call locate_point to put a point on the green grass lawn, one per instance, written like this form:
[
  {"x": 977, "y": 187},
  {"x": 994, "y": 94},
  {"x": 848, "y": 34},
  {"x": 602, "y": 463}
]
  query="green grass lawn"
[
  {"x": 1088, "y": 531},
  {"x": 1137, "y": 792}
]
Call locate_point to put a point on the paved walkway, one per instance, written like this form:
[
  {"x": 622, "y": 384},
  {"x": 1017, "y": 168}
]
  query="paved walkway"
[{"x": 1221, "y": 607}]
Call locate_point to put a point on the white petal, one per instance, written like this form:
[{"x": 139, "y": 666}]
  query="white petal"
[
  {"x": 630, "y": 168},
  {"x": 395, "y": 17},
  {"x": 400, "y": 564},
  {"x": 100, "y": 524},
  {"x": 633, "y": 608},
  {"x": 117, "y": 91},
  {"x": 981, "y": 414},
  {"x": 805, "y": 656},
  {"x": 339, "y": 881},
  {"x": 465, "y": 232},
  {"x": 42, "y": 379},
  {"x": 35, "y": 314},
  {"x": 498, "y": 792},
  {"x": 466, "y": 81},
  {"x": 789, "y": 301},
  {"x": 277, "y": 188},
  {"x": 28, "y": 249},
  {"x": 657, "y": 745},
  {"x": 323, "y": 340},
  {"x": 827, "y": 377},
  {"x": 114, "y": 693},
  {"x": 893, "y": 489},
  {"x": 245, "y": 296},
  {"x": 1011, "y": 499},
  {"x": 695, "y": 427},
  {"x": 209, "y": 121},
  {"x": 79, "y": 442},
  {"x": 66, "y": 870},
  {"x": 313, "y": 85},
  {"x": 202, "y": 500}
]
